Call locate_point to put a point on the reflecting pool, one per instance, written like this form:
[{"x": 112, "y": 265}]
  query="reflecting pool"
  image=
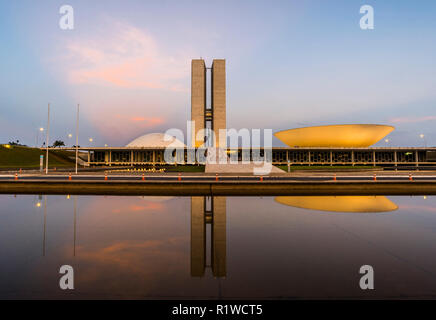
[{"x": 217, "y": 247}]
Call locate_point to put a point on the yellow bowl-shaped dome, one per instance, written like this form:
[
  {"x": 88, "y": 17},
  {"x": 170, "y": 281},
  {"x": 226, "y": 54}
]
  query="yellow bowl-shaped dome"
[
  {"x": 340, "y": 203},
  {"x": 342, "y": 136}
]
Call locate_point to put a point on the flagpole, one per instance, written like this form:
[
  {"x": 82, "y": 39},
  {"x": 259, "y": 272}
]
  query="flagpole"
[
  {"x": 46, "y": 141},
  {"x": 77, "y": 135}
]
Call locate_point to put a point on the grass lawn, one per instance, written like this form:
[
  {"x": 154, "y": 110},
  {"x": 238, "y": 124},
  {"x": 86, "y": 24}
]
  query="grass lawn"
[
  {"x": 16, "y": 157},
  {"x": 294, "y": 167}
]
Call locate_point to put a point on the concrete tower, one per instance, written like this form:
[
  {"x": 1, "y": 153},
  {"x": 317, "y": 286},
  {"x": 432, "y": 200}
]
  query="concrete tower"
[
  {"x": 218, "y": 97},
  {"x": 198, "y": 98},
  {"x": 213, "y": 116}
]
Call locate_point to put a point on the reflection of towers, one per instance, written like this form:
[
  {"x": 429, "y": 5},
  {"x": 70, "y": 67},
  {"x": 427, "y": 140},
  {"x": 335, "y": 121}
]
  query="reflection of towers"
[
  {"x": 208, "y": 117},
  {"x": 204, "y": 212}
]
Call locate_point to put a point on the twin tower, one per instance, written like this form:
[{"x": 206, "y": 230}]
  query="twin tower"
[{"x": 208, "y": 113}]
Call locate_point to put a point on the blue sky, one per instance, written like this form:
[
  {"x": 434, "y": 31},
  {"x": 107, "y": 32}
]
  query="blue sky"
[{"x": 289, "y": 64}]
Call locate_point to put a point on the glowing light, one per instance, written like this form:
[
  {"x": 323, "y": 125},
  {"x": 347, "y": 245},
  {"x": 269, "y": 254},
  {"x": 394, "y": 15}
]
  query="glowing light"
[
  {"x": 425, "y": 197},
  {"x": 38, "y": 204},
  {"x": 70, "y": 135},
  {"x": 90, "y": 139},
  {"x": 421, "y": 136},
  {"x": 41, "y": 129},
  {"x": 68, "y": 196}
]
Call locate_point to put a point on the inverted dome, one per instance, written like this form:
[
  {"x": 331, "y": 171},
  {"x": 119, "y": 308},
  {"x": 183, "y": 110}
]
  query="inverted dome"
[
  {"x": 156, "y": 140},
  {"x": 340, "y": 203},
  {"x": 342, "y": 136}
]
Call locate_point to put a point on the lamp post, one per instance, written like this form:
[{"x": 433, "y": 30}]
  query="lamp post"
[
  {"x": 70, "y": 136},
  {"x": 422, "y": 136},
  {"x": 37, "y": 136},
  {"x": 89, "y": 152}
]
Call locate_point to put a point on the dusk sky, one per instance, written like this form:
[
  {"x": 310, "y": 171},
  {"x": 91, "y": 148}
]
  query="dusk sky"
[{"x": 289, "y": 64}]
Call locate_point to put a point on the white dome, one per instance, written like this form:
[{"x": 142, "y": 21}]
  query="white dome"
[{"x": 155, "y": 140}]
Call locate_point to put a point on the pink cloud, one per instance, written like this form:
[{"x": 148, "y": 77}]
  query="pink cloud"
[
  {"x": 137, "y": 208},
  {"x": 412, "y": 119},
  {"x": 126, "y": 84},
  {"x": 148, "y": 120},
  {"x": 142, "y": 121},
  {"x": 117, "y": 125},
  {"x": 129, "y": 58}
]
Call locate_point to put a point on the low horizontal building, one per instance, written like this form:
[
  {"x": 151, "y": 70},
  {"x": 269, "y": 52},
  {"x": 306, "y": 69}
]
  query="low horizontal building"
[
  {"x": 315, "y": 156},
  {"x": 346, "y": 145}
]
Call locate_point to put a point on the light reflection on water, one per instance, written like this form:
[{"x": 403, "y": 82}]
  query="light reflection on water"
[{"x": 229, "y": 247}]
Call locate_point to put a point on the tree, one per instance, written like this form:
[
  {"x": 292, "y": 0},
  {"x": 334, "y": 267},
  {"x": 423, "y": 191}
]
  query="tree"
[
  {"x": 58, "y": 143},
  {"x": 15, "y": 143}
]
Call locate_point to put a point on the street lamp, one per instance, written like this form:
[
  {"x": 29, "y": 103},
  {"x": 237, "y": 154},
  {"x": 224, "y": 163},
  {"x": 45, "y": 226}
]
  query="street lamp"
[
  {"x": 387, "y": 142},
  {"x": 37, "y": 135},
  {"x": 90, "y": 139},
  {"x": 70, "y": 135},
  {"x": 422, "y": 136}
]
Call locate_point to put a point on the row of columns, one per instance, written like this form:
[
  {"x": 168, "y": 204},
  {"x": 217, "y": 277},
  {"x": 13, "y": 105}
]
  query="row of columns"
[{"x": 108, "y": 158}]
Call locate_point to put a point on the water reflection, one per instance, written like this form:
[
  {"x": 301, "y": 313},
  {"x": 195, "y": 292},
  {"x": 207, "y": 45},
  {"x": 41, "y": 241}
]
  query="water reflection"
[
  {"x": 208, "y": 211},
  {"x": 205, "y": 212},
  {"x": 202, "y": 247},
  {"x": 340, "y": 203}
]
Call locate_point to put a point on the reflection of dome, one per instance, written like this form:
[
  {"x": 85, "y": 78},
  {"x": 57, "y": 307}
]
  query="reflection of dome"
[
  {"x": 155, "y": 140},
  {"x": 343, "y": 135},
  {"x": 340, "y": 203}
]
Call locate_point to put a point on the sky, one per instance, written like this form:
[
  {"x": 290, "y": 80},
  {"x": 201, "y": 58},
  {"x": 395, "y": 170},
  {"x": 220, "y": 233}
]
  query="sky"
[{"x": 289, "y": 64}]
